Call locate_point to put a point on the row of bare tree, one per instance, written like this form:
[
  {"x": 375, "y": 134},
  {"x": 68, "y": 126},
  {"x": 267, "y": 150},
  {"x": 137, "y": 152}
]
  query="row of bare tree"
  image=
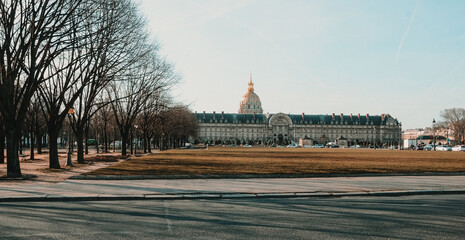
[
  {"x": 454, "y": 119},
  {"x": 85, "y": 55}
]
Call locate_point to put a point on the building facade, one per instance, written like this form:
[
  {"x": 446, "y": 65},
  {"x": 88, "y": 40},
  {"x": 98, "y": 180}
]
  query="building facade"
[{"x": 251, "y": 126}]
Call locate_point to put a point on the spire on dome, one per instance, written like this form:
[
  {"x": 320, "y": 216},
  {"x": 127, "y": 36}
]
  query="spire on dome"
[{"x": 251, "y": 84}]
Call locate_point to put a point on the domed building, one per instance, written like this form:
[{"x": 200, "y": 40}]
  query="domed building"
[
  {"x": 250, "y": 101},
  {"x": 251, "y": 126}
]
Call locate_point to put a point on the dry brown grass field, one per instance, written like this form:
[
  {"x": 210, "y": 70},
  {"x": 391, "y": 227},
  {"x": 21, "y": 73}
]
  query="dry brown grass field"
[{"x": 262, "y": 160}]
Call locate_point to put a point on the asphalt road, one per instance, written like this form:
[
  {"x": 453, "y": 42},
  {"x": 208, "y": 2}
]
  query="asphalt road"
[{"x": 406, "y": 217}]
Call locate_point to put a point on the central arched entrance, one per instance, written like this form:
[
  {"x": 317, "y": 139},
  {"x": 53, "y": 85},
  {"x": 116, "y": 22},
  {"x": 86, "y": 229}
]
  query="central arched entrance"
[{"x": 281, "y": 126}]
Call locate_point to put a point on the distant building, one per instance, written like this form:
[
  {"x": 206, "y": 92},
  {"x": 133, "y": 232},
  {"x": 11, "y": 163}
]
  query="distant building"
[
  {"x": 305, "y": 141},
  {"x": 251, "y": 126},
  {"x": 428, "y": 136}
]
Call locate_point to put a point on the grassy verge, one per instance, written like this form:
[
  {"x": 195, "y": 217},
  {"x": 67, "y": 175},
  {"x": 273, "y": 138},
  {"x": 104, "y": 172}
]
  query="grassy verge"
[{"x": 218, "y": 160}]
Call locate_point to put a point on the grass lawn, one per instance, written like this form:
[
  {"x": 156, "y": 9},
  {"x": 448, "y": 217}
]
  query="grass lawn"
[{"x": 261, "y": 160}]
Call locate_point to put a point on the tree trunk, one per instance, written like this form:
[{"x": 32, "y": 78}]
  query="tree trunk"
[
  {"x": 114, "y": 139},
  {"x": 53, "y": 148},
  {"x": 13, "y": 167},
  {"x": 131, "y": 144},
  {"x": 20, "y": 145},
  {"x": 86, "y": 139},
  {"x": 146, "y": 148},
  {"x": 80, "y": 146},
  {"x": 144, "y": 141},
  {"x": 39, "y": 142},
  {"x": 31, "y": 157},
  {"x": 124, "y": 141},
  {"x": 2, "y": 146},
  {"x": 149, "y": 147}
]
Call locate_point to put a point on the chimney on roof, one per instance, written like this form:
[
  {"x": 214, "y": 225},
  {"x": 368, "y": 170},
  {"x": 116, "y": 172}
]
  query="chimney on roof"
[
  {"x": 351, "y": 116},
  {"x": 333, "y": 115},
  {"x": 368, "y": 116},
  {"x": 358, "y": 115},
  {"x": 204, "y": 115},
  {"x": 214, "y": 116},
  {"x": 222, "y": 114},
  {"x": 342, "y": 116},
  {"x": 195, "y": 112},
  {"x": 303, "y": 116}
]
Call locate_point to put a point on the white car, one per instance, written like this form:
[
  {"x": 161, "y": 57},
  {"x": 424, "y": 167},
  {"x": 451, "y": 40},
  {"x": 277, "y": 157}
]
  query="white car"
[
  {"x": 459, "y": 148},
  {"x": 443, "y": 148},
  {"x": 319, "y": 146}
]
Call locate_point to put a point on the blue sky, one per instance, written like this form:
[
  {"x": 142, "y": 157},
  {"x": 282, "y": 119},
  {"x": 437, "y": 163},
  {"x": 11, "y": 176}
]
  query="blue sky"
[{"x": 405, "y": 58}]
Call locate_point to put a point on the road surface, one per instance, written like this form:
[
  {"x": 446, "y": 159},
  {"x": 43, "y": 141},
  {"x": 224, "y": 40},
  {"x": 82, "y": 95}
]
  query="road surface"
[{"x": 405, "y": 217}]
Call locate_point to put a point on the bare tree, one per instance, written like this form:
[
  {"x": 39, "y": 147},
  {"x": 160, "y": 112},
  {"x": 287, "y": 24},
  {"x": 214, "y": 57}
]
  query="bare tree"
[
  {"x": 111, "y": 50},
  {"x": 175, "y": 126},
  {"x": 31, "y": 37},
  {"x": 34, "y": 125},
  {"x": 101, "y": 125},
  {"x": 150, "y": 76},
  {"x": 455, "y": 118},
  {"x": 149, "y": 117}
]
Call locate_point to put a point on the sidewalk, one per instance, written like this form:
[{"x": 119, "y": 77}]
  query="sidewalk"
[{"x": 90, "y": 190}]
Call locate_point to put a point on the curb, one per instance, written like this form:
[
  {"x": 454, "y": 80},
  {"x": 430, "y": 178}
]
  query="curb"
[
  {"x": 246, "y": 176},
  {"x": 191, "y": 196}
]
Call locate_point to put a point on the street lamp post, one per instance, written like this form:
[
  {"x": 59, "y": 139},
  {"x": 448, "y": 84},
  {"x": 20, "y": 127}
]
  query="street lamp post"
[
  {"x": 434, "y": 136},
  {"x": 68, "y": 160},
  {"x": 447, "y": 136},
  {"x": 135, "y": 145}
]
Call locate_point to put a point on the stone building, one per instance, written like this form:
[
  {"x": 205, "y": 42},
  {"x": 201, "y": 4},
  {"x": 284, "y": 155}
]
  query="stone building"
[{"x": 251, "y": 126}]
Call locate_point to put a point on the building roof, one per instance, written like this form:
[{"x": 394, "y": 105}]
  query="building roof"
[
  {"x": 296, "y": 119},
  {"x": 430, "y": 137}
]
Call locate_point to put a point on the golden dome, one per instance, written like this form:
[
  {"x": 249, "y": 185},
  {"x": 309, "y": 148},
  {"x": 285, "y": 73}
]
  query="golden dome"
[{"x": 250, "y": 101}]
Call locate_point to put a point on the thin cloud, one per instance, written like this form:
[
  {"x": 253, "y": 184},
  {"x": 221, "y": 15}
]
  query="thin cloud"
[
  {"x": 406, "y": 32},
  {"x": 205, "y": 13}
]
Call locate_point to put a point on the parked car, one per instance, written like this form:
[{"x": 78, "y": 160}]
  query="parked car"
[
  {"x": 428, "y": 147},
  {"x": 334, "y": 146},
  {"x": 355, "y": 146},
  {"x": 307, "y": 146},
  {"x": 459, "y": 148},
  {"x": 329, "y": 144},
  {"x": 247, "y": 145},
  {"x": 319, "y": 146},
  {"x": 443, "y": 148},
  {"x": 292, "y": 146}
]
